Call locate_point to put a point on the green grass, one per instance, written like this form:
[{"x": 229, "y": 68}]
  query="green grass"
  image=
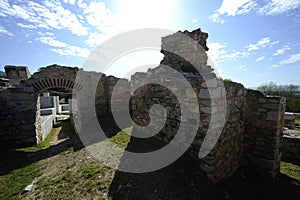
[
  {"x": 67, "y": 130},
  {"x": 227, "y": 80},
  {"x": 297, "y": 121},
  {"x": 72, "y": 181},
  {"x": 122, "y": 138},
  {"x": 12, "y": 184},
  {"x": 43, "y": 144},
  {"x": 92, "y": 170},
  {"x": 290, "y": 170}
]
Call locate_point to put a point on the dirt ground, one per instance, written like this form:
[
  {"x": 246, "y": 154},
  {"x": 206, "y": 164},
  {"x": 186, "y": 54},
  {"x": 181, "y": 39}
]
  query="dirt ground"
[{"x": 70, "y": 172}]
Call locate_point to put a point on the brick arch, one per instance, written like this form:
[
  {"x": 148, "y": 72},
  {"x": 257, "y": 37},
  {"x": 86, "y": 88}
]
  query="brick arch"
[
  {"x": 44, "y": 84},
  {"x": 54, "y": 76}
]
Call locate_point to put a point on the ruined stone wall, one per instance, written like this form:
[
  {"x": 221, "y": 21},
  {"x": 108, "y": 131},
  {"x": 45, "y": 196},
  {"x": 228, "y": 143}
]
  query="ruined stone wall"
[
  {"x": 263, "y": 132},
  {"x": 99, "y": 95},
  {"x": 18, "y": 117},
  {"x": 222, "y": 125},
  {"x": 291, "y": 149},
  {"x": 227, "y": 154},
  {"x": 16, "y": 74},
  {"x": 117, "y": 89},
  {"x": 252, "y": 127}
]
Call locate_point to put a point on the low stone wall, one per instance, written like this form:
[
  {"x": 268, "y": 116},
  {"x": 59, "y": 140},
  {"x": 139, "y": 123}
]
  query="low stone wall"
[
  {"x": 47, "y": 122},
  {"x": 47, "y": 102},
  {"x": 291, "y": 148}
]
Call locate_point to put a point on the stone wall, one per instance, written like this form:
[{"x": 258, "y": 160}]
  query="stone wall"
[
  {"x": 289, "y": 120},
  {"x": 16, "y": 74},
  {"x": 221, "y": 124},
  {"x": 227, "y": 154},
  {"x": 47, "y": 102},
  {"x": 53, "y": 76},
  {"x": 263, "y": 132},
  {"x": 47, "y": 122},
  {"x": 250, "y": 133},
  {"x": 291, "y": 148},
  {"x": 19, "y": 117}
]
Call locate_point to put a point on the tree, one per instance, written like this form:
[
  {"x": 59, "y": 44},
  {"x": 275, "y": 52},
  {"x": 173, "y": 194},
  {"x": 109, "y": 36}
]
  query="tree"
[
  {"x": 272, "y": 88},
  {"x": 269, "y": 88},
  {"x": 287, "y": 91}
]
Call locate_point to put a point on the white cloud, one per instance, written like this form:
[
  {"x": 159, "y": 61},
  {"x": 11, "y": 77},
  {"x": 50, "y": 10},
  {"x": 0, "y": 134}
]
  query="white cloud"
[
  {"x": 216, "y": 18},
  {"x": 238, "y": 7},
  {"x": 72, "y": 2},
  {"x": 61, "y": 18},
  {"x": 99, "y": 16},
  {"x": 51, "y": 41},
  {"x": 81, "y": 4},
  {"x": 242, "y": 67},
  {"x": 216, "y": 50},
  {"x": 95, "y": 39},
  {"x": 6, "y": 9},
  {"x": 260, "y": 58},
  {"x": 218, "y": 54},
  {"x": 275, "y": 42},
  {"x": 50, "y": 15},
  {"x": 277, "y": 7},
  {"x": 21, "y": 12},
  {"x": 62, "y": 48},
  {"x": 292, "y": 59},
  {"x": 29, "y": 26},
  {"x": 249, "y": 6},
  {"x": 282, "y": 50},
  {"x": 195, "y": 22},
  {"x": 73, "y": 51},
  {"x": 232, "y": 8},
  {"x": 4, "y": 31},
  {"x": 261, "y": 43},
  {"x": 235, "y": 54}
]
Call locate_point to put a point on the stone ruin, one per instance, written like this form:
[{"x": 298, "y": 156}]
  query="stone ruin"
[{"x": 250, "y": 127}]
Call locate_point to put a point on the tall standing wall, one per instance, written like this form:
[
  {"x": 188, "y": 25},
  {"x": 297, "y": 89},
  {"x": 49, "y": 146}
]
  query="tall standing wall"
[{"x": 263, "y": 132}]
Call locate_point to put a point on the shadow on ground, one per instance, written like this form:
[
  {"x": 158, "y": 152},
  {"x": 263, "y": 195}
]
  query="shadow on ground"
[
  {"x": 14, "y": 159},
  {"x": 183, "y": 179}
]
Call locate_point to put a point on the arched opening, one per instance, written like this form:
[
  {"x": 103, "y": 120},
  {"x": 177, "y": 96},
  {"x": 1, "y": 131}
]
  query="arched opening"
[{"x": 57, "y": 103}]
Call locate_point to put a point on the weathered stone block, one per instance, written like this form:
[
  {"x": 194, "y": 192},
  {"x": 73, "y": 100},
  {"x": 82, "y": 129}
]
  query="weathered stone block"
[{"x": 272, "y": 116}]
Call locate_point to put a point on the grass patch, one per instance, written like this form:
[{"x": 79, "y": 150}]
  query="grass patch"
[
  {"x": 297, "y": 121},
  {"x": 85, "y": 179},
  {"x": 12, "y": 184},
  {"x": 67, "y": 129},
  {"x": 61, "y": 129},
  {"x": 122, "y": 138},
  {"x": 92, "y": 170},
  {"x": 45, "y": 143},
  {"x": 228, "y": 80},
  {"x": 290, "y": 170}
]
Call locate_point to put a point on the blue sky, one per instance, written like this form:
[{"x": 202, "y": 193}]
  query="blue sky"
[{"x": 250, "y": 41}]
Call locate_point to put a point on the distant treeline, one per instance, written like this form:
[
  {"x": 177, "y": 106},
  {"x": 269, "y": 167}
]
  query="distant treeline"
[{"x": 290, "y": 92}]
